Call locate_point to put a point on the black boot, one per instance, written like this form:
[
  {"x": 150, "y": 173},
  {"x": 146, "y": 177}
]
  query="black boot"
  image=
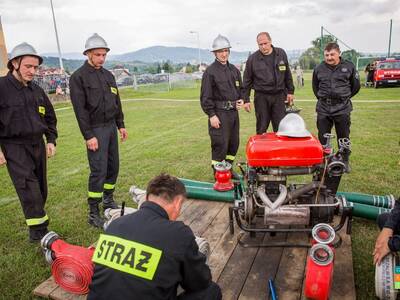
[
  {"x": 235, "y": 176},
  {"x": 108, "y": 200},
  {"x": 94, "y": 217},
  {"x": 36, "y": 234},
  {"x": 346, "y": 160}
]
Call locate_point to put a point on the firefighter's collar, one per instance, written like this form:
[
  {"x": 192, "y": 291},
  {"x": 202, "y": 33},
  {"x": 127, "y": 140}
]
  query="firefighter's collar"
[
  {"x": 273, "y": 53},
  {"x": 17, "y": 84},
  {"x": 221, "y": 65},
  {"x": 155, "y": 208},
  {"x": 91, "y": 69}
]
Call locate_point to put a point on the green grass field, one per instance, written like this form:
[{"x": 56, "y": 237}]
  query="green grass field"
[{"x": 171, "y": 136}]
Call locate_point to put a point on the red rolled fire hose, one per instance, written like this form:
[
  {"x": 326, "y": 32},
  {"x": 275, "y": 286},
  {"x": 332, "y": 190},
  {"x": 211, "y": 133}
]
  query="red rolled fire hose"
[{"x": 72, "y": 266}]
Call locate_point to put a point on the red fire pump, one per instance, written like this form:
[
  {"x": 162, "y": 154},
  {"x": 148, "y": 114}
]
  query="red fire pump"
[
  {"x": 268, "y": 201},
  {"x": 71, "y": 266}
]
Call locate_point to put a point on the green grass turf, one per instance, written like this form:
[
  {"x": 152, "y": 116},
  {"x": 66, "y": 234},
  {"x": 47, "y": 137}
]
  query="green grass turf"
[{"x": 171, "y": 136}]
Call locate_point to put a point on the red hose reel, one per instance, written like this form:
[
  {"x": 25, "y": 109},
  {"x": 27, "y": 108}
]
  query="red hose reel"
[
  {"x": 71, "y": 266},
  {"x": 319, "y": 266}
]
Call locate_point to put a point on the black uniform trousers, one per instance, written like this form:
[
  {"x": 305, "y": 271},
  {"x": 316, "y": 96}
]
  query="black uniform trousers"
[
  {"x": 325, "y": 123},
  {"x": 225, "y": 139},
  {"x": 342, "y": 127},
  {"x": 104, "y": 163},
  {"x": 269, "y": 107},
  {"x": 26, "y": 164}
]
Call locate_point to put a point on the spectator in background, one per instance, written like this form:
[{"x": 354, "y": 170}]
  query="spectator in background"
[{"x": 299, "y": 77}]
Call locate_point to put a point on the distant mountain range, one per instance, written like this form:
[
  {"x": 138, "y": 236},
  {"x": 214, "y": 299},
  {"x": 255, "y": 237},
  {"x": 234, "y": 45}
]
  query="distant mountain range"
[{"x": 173, "y": 54}]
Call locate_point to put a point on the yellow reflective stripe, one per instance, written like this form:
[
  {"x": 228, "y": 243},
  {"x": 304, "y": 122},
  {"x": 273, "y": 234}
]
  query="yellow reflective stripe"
[
  {"x": 214, "y": 162},
  {"x": 37, "y": 221},
  {"x": 109, "y": 186},
  {"x": 127, "y": 256},
  {"x": 114, "y": 90},
  {"x": 230, "y": 157},
  {"x": 42, "y": 110},
  {"x": 95, "y": 194}
]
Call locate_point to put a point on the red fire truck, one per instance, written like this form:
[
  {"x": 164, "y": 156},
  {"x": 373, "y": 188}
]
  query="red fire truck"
[{"x": 387, "y": 72}]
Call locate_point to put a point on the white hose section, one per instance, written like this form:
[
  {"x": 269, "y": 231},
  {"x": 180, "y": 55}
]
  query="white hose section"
[{"x": 384, "y": 278}]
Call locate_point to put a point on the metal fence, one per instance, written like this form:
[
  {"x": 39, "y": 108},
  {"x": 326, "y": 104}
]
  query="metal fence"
[
  {"x": 53, "y": 83},
  {"x": 161, "y": 82}
]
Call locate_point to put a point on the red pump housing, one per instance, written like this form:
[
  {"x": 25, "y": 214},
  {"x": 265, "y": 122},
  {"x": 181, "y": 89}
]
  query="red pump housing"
[{"x": 271, "y": 150}]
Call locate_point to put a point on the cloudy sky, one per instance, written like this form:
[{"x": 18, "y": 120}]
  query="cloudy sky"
[{"x": 135, "y": 24}]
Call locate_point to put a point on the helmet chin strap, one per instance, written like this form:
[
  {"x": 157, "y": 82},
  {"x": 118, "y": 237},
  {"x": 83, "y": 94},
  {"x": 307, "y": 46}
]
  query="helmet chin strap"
[
  {"x": 18, "y": 74},
  {"x": 90, "y": 61}
]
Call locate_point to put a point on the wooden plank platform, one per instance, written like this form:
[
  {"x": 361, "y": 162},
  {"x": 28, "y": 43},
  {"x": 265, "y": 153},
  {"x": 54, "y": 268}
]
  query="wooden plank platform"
[{"x": 243, "y": 273}]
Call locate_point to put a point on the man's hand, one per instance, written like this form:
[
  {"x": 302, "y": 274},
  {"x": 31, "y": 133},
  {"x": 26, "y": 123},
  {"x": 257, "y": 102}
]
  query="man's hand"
[
  {"x": 3, "y": 160},
  {"x": 123, "y": 133},
  {"x": 214, "y": 121},
  {"x": 247, "y": 106},
  {"x": 92, "y": 144},
  {"x": 381, "y": 245},
  {"x": 289, "y": 99},
  {"x": 239, "y": 104},
  {"x": 50, "y": 150}
]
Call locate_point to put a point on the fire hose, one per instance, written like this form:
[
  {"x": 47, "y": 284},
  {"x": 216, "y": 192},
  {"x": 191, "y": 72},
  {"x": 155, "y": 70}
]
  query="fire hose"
[
  {"x": 319, "y": 266},
  {"x": 71, "y": 266},
  {"x": 387, "y": 281}
]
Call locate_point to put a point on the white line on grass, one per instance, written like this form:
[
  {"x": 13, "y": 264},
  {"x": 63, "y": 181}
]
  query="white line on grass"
[
  {"x": 195, "y": 100},
  {"x": 296, "y": 100}
]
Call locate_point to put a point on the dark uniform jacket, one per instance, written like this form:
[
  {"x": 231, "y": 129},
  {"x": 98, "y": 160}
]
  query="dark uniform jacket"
[
  {"x": 155, "y": 253},
  {"x": 262, "y": 78},
  {"x": 334, "y": 86},
  {"x": 26, "y": 113},
  {"x": 95, "y": 98},
  {"x": 393, "y": 222},
  {"x": 220, "y": 83}
]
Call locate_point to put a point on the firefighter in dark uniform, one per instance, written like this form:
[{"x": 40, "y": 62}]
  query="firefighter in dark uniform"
[
  {"x": 221, "y": 98},
  {"x": 97, "y": 106},
  {"x": 26, "y": 114},
  {"x": 268, "y": 73},
  {"x": 147, "y": 254},
  {"x": 389, "y": 237},
  {"x": 335, "y": 81}
]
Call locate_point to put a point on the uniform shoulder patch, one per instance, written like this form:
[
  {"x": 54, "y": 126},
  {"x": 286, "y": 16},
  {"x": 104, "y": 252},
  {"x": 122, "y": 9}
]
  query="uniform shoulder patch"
[{"x": 114, "y": 90}]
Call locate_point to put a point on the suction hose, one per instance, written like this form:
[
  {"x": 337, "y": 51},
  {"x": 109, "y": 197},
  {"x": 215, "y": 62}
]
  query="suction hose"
[{"x": 387, "y": 201}]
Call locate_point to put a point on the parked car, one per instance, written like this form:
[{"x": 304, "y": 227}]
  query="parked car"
[{"x": 387, "y": 72}]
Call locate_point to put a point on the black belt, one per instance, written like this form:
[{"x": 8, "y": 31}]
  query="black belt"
[
  {"x": 226, "y": 105},
  {"x": 333, "y": 101}
]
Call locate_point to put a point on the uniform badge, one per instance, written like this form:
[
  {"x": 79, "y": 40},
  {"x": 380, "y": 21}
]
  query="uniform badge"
[
  {"x": 42, "y": 110},
  {"x": 237, "y": 83},
  {"x": 344, "y": 70},
  {"x": 114, "y": 90},
  {"x": 282, "y": 68}
]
